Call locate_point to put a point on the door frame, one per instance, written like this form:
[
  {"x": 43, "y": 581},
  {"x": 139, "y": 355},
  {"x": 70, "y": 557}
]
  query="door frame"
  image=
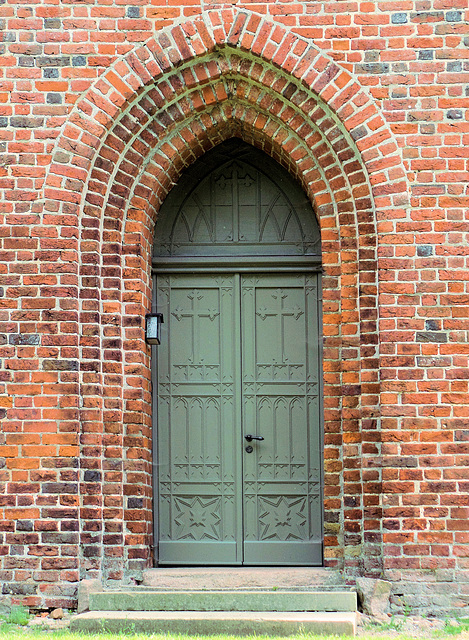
[{"x": 257, "y": 264}]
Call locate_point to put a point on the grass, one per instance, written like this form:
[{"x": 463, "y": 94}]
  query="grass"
[
  {"x": 29, "y": 634},
  {"x": 392, "y": 624},
  {"x": 18, "y": 615},
  {"x": 13, "y": 632},
  {"x": 456, "y": 626},
  {"x": 13, "y": 627}
]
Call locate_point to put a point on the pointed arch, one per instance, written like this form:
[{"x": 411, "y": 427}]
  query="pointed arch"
[
  {"x": 218, "y": 178},
  {"x": 227, "y": 73}
]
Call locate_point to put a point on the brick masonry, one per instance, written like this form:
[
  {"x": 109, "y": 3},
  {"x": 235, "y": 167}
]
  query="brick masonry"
[{"x": 102, "y": 106}]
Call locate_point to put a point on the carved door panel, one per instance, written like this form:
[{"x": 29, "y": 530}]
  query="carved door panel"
[
  {"x": 280, "y": 391},
  {"x": 239, "y": 356},
  {"x": 199, "y": 458}
]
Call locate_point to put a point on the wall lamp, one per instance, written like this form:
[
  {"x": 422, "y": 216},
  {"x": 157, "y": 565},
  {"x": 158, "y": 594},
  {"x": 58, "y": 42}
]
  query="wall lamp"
[{"x": 153, "y": 322}]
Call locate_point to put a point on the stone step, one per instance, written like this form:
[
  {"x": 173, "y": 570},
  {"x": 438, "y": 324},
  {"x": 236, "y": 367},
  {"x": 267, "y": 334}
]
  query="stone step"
[
  {"x": 192, "y": 578},
  {"x": 216, "y": 622},
  {"x": 234, "y": 600}
]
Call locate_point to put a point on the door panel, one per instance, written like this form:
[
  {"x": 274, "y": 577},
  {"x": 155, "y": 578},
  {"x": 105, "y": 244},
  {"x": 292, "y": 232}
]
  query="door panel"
[
  {"x": 240, "y": 356},
  {"x": 199, "y": 504},
  {"x": 280, "y": 387}
]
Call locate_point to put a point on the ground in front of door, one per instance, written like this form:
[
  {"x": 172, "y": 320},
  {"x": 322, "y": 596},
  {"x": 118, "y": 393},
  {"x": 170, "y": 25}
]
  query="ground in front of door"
[{"x": 396, "y": 627}]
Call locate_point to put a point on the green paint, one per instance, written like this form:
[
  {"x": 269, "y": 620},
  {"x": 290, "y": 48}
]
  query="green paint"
[
  {"x": 198, "y": 411},
  {"x": 282, "y": 506},
  {"x": 240, "y": 354},
  {"x": 236, "y": 201}
]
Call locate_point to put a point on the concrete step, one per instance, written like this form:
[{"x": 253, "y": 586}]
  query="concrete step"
[
  {"x": 216, "y": 622},
  {"x": 227, "y": 600},
  {"x": 192, "y": 578}
]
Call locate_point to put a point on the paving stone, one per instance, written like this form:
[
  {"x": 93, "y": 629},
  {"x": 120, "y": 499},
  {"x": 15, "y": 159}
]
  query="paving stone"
[{"x": 215, "y": 622}]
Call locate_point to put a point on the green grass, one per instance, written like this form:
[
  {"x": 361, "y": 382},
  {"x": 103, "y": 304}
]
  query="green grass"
[
  {"x": 63, "y": 634},
  {"x": 15, "y": 633},
  {"x": 18, "y": 615},
  {"x": 10, "y": 631},
  {"x": 456, "y": 626}
]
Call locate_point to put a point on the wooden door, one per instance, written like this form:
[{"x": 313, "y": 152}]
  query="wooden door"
[
  {"x": 199, "y": 460},
  {"x": 280, "y": 402},
  {"x": 239, "y": 357}
]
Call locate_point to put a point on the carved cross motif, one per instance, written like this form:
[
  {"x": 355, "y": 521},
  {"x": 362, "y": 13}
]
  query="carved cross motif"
[
  {"x": 281, "y": 311},
  {"x": 280, "y": 296},
  {"x": 195, "y": 314},
  {"x": 195, "y": 296},
  {"x": 235, "y": 178}
]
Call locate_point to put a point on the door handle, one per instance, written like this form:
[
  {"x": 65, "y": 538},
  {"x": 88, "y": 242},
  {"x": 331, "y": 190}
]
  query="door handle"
[{"x": 250, "y": 438}]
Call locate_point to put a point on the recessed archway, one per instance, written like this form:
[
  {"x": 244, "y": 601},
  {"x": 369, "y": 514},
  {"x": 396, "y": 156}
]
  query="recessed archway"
[{"x": 238, "y": 410}]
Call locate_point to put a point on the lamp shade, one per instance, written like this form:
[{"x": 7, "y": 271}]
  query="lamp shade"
[{"x": 153, "y": 322}]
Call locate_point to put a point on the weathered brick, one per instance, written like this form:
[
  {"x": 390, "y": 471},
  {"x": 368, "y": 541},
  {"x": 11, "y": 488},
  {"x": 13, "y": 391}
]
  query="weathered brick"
[
  {"x": 24, "y": 339},
  {"x": 431, "y": 336},
  {"x": 53, "y": 61},
  {"x": 399, "y": 18},
  {"x": 91, "y": 475}
]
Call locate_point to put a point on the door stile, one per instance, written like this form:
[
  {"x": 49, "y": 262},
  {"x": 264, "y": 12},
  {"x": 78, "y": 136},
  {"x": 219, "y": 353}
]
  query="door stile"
[
  {"x": 154, "y": 434},
  {"x": 248, "y": 417},
  {"x": 238, "y": 452},
  {"x": 320, "y": 329},
  {"x": 313, "y": 293}
]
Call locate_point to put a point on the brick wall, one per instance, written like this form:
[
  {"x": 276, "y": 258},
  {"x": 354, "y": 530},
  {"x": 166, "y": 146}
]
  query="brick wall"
[{"x": 102, "y": 105}]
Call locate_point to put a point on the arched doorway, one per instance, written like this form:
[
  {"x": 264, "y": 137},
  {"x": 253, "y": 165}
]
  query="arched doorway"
[{"x": 237, "y": 382}]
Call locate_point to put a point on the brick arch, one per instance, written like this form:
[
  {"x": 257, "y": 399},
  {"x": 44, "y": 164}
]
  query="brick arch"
[{"x": 129, "y": 138}]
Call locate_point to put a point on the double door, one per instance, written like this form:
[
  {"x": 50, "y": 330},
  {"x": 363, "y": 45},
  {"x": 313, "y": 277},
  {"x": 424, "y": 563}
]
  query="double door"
[{"x": 238, "y": 420}]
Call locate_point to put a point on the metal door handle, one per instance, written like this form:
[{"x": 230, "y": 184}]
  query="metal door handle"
[{"x": 250, "y": 438}]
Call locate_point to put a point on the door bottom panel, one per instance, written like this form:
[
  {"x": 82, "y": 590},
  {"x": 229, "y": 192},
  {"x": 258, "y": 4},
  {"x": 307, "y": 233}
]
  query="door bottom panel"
[
  {"x": 283, "y": 554},
  {"x": 197, "y": 553}
]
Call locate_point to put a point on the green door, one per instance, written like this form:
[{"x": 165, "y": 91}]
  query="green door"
[
  {"x": 199, "y": 458},
  {"x": 239, "y": 357}
]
